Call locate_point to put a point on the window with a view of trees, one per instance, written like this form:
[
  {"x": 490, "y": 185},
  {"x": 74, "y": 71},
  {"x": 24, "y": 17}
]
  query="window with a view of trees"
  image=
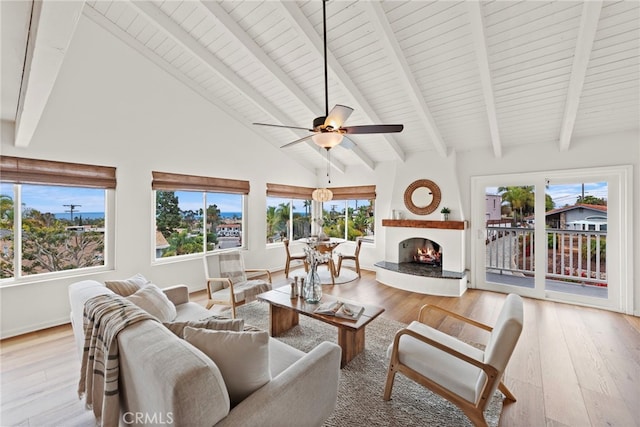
[
  {"x": 197, "y": 214},
  {"x": 349, "y": 215},
  {"x": 62, "y": 226},
  {"x": 287, "y": 219},
  {"x": 348, "y": 219},
  {"x": 189, "y": 222}
]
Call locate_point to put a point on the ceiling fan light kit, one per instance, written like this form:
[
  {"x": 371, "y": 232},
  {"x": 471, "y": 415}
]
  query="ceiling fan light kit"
[{"x": 327, "y": 140}]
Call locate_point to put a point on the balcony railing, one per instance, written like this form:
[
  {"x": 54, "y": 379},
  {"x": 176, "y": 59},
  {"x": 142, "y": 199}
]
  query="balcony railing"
[{"x": 573, "y": 256}]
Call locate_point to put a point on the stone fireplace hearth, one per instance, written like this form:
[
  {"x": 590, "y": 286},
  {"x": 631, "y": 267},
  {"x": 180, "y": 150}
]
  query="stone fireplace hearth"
[{"x": 424, "y": 256}]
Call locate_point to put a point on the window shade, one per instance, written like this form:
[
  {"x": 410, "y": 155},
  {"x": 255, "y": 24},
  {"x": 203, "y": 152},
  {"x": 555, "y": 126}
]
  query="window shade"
[
  {"x": 173, "y": 181},
  {"x": 289, "y": 191},
  {"x": 363, "y": 192},
  {"x": 32, "y": 171}
]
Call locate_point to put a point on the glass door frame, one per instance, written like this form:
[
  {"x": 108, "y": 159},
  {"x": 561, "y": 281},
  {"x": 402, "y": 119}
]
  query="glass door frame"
[{"x": 619, "y": 235}]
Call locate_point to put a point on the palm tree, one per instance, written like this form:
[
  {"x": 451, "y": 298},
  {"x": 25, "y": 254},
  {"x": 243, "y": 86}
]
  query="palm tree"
[{"x": 520, "y": 198}]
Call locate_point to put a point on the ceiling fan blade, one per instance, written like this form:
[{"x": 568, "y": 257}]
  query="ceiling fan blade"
[
  {"x": 304, "y": 138},
  {"x": 373, "y": 129},
  {"x": 283, "y": 126},
  {"x": 338, "y": 115},
  {"x": 347, "y": 143}
]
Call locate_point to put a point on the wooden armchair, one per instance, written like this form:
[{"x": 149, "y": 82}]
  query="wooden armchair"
[
  {"x": 457, "y": 371},
  {"x": 232, "y": 288}
]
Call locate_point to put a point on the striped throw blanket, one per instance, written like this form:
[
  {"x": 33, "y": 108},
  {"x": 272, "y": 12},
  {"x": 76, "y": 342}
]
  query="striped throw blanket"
[{"x": 104, "y": 317}]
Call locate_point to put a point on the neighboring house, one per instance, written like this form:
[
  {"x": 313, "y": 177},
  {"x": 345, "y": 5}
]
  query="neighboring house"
[
  {"x": 578, "y": 217},
  {"x": 161, "y": 244},
  {"x": 229, "y": 230},
  {"x": 494, "y": 206}
]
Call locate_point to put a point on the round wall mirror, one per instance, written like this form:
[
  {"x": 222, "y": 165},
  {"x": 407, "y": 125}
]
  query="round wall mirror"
[{"x": 422, "y": 197}]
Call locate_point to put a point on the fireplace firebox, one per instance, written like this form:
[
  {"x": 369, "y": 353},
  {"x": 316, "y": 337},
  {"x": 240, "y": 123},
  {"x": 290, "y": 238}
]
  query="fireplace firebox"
[{"x": 421, "y": 251}]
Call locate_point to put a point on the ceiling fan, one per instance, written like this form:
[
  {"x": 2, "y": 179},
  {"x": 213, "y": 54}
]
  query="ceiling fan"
[{"x": 328, "y": 130}]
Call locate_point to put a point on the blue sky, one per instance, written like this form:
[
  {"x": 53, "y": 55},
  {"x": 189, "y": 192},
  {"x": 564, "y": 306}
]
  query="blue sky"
[
  {"x": 567, "y": 194},
  {"x": 49, "y": 199}
]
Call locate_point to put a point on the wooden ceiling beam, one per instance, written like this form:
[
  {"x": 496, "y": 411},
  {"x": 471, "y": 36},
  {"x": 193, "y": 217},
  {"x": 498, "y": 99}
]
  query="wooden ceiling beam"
[
  {"x": 584, "y": 45},
  {"x": 479, "y": 36},
  {"x": 52, "y": 27},
  {"x": 395, "y": 53}
]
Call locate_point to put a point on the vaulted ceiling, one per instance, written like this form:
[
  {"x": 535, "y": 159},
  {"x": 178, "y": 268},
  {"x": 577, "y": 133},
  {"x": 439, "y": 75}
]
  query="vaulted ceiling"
[{"x": 459, "y": 75}]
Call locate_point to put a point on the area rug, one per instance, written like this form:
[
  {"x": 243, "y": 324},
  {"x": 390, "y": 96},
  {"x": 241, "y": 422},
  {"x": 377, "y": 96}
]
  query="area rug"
[
  {"x": 362, "y": 380},
  {"x": 346, "y": 275}
]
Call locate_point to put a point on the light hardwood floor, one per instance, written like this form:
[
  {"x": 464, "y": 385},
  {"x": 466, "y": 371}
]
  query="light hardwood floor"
[{"x": 573, "y": 366}]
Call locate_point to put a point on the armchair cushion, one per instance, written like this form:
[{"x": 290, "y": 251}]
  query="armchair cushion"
[
  {"x": 243, "y": 291},
  {"x": 126, "y": 287},
  {"x": 152, "y": 300},
  {"x": 242, "y": 357},
  {"x": 443, "y": 368}
]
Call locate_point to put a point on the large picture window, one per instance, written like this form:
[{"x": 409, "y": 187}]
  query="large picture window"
[
  {"x": 60, "y": 209},
  {"x": 197, "y": 214}
]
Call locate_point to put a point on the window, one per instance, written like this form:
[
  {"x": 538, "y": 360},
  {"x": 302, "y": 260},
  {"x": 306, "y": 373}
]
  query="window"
[
  {"x": 60, "y": 209},
  {"x": 197, "y": 214},
  {"x": 351, "y": 213},
  {"x": 288, "y": 212}
]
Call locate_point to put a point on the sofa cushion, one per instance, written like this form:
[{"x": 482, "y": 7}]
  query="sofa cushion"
[
  {"x": 242, "y": 357},
  {"x": 126, "y": 287},
  {"x": 152, "y": 300},
  {"x": 211, "y": 323}
]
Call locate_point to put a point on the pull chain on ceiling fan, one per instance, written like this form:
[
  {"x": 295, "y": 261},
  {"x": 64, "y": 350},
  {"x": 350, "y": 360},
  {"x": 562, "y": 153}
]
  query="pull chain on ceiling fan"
[{"x": 327, "y": 130}]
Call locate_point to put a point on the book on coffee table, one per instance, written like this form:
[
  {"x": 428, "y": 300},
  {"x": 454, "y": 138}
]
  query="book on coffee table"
[{"x": 340, "y": 309}]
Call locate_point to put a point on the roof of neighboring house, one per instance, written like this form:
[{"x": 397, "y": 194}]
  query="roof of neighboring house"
[
  {"x": 161, "y": 242},
  {"x": 599, "y": 208}
]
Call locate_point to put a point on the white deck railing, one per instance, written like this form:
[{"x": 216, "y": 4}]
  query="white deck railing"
[{"x": 573, "y": 256}]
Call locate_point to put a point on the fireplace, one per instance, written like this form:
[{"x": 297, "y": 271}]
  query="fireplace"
[
  {"x": 415, "y": 258},
  {"x": 421, "y": 251}
]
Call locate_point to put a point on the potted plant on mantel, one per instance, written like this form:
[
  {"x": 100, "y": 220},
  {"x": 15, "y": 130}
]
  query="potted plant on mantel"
[{"x": 445, "y": 213}]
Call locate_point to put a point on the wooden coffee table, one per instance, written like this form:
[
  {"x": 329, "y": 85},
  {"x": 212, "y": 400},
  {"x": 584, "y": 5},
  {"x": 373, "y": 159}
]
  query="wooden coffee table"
[{"x": 284, "y": 311}]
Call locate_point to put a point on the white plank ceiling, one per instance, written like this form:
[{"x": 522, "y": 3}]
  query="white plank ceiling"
[{"x": 459, "y": 75}]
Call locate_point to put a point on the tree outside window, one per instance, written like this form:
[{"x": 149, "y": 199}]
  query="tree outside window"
[
  {"x": 63, "y": 228},
  {"x": 189, "y": 222},
  {"x": 287, "y": 219},
  {"x": 348, "y": 219}
]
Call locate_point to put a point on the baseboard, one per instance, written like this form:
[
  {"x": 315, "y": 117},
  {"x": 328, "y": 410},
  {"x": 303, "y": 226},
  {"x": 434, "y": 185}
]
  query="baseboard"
[{"x": 33, "y": 328}]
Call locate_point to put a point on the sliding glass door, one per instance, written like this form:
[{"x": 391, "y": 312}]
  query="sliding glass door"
[{"x": 555, "y": 235}]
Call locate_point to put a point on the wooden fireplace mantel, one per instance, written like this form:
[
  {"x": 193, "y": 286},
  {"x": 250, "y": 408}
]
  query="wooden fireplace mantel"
[{"x": 420, "y": 223}]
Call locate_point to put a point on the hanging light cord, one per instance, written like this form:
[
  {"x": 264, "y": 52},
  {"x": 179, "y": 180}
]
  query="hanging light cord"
[
  {"x": 329, "y": 166},
  {"x": 326, "y": 86}
]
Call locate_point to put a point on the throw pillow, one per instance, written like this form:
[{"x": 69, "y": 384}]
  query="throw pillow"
[
  {"x": 152, "y": 300},
  {"x": 212, "y": 324},
  {"x": 242, "y": 357},
  {"x": 128, "y": 286}
]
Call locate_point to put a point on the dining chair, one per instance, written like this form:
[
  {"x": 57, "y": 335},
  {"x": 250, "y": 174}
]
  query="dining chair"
[
  {"x": 301, "y": 256},
  {"x": 328, "y": 249},
  {"x": 461, "y": 373},
  {"x": 354, "y": 257}
]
